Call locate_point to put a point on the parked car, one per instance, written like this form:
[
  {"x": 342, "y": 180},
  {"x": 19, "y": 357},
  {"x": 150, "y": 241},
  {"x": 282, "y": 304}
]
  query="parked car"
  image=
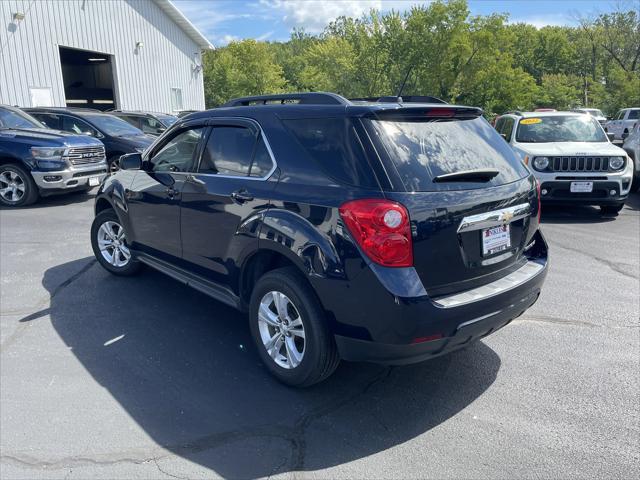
[
  {"x": 632, "y": 147},
  {"x": 36, "y": 161},
  {"x": 118, "y": 136},
  {"x": 595, "y": 113},
  {"x": 184, "y": 113},
  {"x": 623, "y": 123},
  {"x": 369, "y": 231},
  {"x": 571, "y": 156},
  {"x": 151, "y": 123}
]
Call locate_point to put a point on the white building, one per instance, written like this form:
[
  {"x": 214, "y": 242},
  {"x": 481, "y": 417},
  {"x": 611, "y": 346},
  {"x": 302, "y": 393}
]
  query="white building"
[{"x": 126, "y": 54}]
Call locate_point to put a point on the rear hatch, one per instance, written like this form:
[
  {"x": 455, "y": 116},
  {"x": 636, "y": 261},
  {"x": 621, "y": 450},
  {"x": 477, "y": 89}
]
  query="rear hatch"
[{"x": 472, "y": 204}]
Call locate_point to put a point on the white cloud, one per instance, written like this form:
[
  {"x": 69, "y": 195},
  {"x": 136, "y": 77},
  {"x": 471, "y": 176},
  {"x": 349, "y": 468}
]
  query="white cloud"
[
  {"x": 314, "y": 15},
  {"x": 539, "y": 21}
]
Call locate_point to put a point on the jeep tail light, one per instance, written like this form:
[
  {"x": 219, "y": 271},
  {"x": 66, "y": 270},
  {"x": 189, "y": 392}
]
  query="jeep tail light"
[
  {"x": 382, "y": 230},
  {"x": 539, "y": 199}
]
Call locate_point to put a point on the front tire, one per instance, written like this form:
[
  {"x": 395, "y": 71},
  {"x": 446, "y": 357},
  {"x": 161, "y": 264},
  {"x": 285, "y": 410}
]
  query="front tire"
[
  {"x": 611, "y": 209},
  {"x": 109, "y": 243},
  {"x": 289, "y": 329},
  {"x": 17, "y": 188}
]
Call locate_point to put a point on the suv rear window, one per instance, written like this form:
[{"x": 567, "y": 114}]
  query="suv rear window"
[
  {"x": 422, "y": 150},
  {"x": 334, "y": 144}
]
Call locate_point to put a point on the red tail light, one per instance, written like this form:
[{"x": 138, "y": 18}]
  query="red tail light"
[
  {"x": 539, "y": 200},
  {"x": 441, "y": 112},
  {"x": 382, "y": 230}
]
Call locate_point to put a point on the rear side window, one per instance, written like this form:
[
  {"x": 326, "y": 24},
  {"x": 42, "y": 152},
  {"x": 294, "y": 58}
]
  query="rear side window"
[
  {"x": 633, "y": 114},
  {"x": 237, "y": 152},
  {"x": 422, "y": 150},
  {"x": 334, "y": 144}
]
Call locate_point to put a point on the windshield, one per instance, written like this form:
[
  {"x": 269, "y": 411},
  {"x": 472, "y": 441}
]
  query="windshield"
[
  {"x": 112, "y": 125},
  {"x": 560, "y": 128},
  {"x": 17, "y": 119},
  {"x": 167, "y": 120},
  {"x": 422, "y": 150}
]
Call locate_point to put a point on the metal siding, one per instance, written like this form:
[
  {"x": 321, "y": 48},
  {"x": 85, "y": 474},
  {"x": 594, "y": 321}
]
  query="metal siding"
[{"x": 29, "y": 56}]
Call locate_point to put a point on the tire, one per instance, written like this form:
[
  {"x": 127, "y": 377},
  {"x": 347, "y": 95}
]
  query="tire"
[
  {"x": 113, "y": 163},
  {"x": 115, "y": 256},
  {"x": 611, "y": 209},
  {"x": 316, "y": 356},
  {"x": 635, "y": 183},
  {"x": 17, "y": 188}
]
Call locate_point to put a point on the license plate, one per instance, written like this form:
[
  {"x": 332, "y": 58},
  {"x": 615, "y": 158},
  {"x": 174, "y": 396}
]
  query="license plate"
[
  {"x": 581, "y": 187},
  {"x": 94, "y": 181},
  {"x": 496, "y": 239}
]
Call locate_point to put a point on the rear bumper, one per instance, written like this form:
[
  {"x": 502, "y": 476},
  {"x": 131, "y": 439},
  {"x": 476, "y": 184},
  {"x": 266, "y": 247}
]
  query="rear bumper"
[
  {"x": 69, "y": 179},
  {"x": 384, "y": 328},
  {"x": 465, "y": 334}
]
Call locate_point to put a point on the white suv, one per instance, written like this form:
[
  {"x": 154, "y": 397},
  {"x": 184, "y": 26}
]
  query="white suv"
[
  {"x": 623, "y": 123},
  {"x": 571, "y": 156}
]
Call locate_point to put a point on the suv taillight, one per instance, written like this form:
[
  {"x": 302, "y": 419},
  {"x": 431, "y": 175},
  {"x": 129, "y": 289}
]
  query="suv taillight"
[{"x": 382, "y": 230}]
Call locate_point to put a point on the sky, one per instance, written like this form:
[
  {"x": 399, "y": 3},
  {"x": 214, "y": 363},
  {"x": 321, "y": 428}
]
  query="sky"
[{"x": 223, "y": 21}]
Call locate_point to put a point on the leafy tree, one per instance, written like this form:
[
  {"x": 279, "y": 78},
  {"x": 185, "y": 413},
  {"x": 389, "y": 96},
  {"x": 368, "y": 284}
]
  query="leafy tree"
[{"x": 241, "y": 68}]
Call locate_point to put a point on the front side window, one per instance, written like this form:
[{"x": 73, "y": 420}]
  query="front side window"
[
  {"x": 633, "y": 115},
  {"x": 178, "y": 154},
  {"x": 620, "y": 115},
  {"x": 560, "y": 128},
  {"x": 151, "y": 125},
  {"x": 80, "y": 127}
]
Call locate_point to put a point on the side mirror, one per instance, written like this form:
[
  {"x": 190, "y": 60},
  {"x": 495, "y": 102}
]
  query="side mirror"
[
  {"x": 611, "y": 136},
  {"x": 625, "y": 135},
  {"x": 131, "y": 161}
]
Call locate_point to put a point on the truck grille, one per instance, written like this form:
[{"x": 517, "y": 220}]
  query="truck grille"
[
  {"x": 86, "y": 155},
  {"x": 579, "y": 164}
]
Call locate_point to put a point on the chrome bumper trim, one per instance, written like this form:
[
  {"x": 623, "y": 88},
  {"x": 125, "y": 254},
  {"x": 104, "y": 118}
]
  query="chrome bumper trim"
[
  {"x": 495, "y": 217},
  {"x": 514, "y": 279}
]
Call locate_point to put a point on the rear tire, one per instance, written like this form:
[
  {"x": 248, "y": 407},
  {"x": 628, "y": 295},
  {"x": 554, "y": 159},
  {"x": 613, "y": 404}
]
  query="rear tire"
[
  {"x": 611, "y": 209},
  {"x": 292, "y": 338},
  {"x": 17, "y": 188},
  {"x": 109, "y": 243}
]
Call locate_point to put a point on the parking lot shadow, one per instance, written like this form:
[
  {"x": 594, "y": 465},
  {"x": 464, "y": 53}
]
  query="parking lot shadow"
[
  {"x": 183, "y": 367},
  {"x": 57, "y": 200},
  {"x": 567, "y": 214}
]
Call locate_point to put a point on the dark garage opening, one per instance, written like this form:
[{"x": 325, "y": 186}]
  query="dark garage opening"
[{"x": 88, "y": 79}]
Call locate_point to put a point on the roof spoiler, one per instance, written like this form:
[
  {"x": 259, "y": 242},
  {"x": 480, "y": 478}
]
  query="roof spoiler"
[{"x": 413, "y": 113}]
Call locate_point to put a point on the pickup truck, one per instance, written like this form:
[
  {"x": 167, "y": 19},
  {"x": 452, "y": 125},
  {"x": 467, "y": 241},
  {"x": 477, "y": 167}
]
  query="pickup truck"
[
  {"x": 622, "y": 124},
  {"x": 36, "y": 161}
]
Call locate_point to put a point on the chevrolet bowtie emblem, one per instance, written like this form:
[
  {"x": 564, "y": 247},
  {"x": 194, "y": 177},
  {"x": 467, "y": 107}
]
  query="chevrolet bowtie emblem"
[{"x": 506, "y": 217}]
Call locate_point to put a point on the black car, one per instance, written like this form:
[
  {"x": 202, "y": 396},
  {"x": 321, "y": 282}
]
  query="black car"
[
  {"x": 384, "y": 232},
  {"x": 118, "y": 136},
  {"x": 151, "y": 123}
]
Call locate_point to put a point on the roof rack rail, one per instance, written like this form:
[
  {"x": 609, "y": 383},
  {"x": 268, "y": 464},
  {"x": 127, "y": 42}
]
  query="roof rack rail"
[
  {"x": 513, "y": 112},
  {"x": 404, "y": 99},
  {"x": 310, "y": 98}
]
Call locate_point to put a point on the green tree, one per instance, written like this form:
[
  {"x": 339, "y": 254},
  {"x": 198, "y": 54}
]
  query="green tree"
[{"x": 241, "y": 68}]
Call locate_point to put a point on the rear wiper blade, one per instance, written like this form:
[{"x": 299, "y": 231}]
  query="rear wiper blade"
[{"x": 479, "y": 175}]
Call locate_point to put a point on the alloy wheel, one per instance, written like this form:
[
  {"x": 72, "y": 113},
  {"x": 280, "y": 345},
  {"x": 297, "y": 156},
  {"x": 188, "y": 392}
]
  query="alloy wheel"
[
  {"x": 112, "y": 244},
  {"x": 281, "y": 329},
  {"x": 12, "y": 186}
]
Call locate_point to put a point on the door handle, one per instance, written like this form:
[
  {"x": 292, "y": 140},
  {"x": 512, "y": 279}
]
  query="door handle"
[
  {"x": 241, "y": 196},
  {"x": 172, "y": 193}
]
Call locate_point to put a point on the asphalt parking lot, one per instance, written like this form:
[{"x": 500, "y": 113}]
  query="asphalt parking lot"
[{"x": 106, "y": 377}]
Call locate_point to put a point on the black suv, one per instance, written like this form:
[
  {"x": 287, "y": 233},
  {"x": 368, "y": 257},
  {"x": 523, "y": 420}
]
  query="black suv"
[
  {"x": 385, "y": 232},
  {"x": 119, "y": 137}
]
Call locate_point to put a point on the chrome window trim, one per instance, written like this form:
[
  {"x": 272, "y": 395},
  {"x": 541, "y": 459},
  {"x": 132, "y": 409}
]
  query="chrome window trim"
[
  {"x": 495, "y": 217},
  {"x": 206, "y": 124}
]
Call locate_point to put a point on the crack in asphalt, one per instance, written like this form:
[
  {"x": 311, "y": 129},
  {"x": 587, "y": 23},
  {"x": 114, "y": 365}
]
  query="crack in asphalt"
[
  {"x": 161, "y": 470},
  {"x": 41, "y": 306},
  {"x": 295, "y": 436},
  {"x": 562, "y": 321},
  {"x": 615, "y": 266}
]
